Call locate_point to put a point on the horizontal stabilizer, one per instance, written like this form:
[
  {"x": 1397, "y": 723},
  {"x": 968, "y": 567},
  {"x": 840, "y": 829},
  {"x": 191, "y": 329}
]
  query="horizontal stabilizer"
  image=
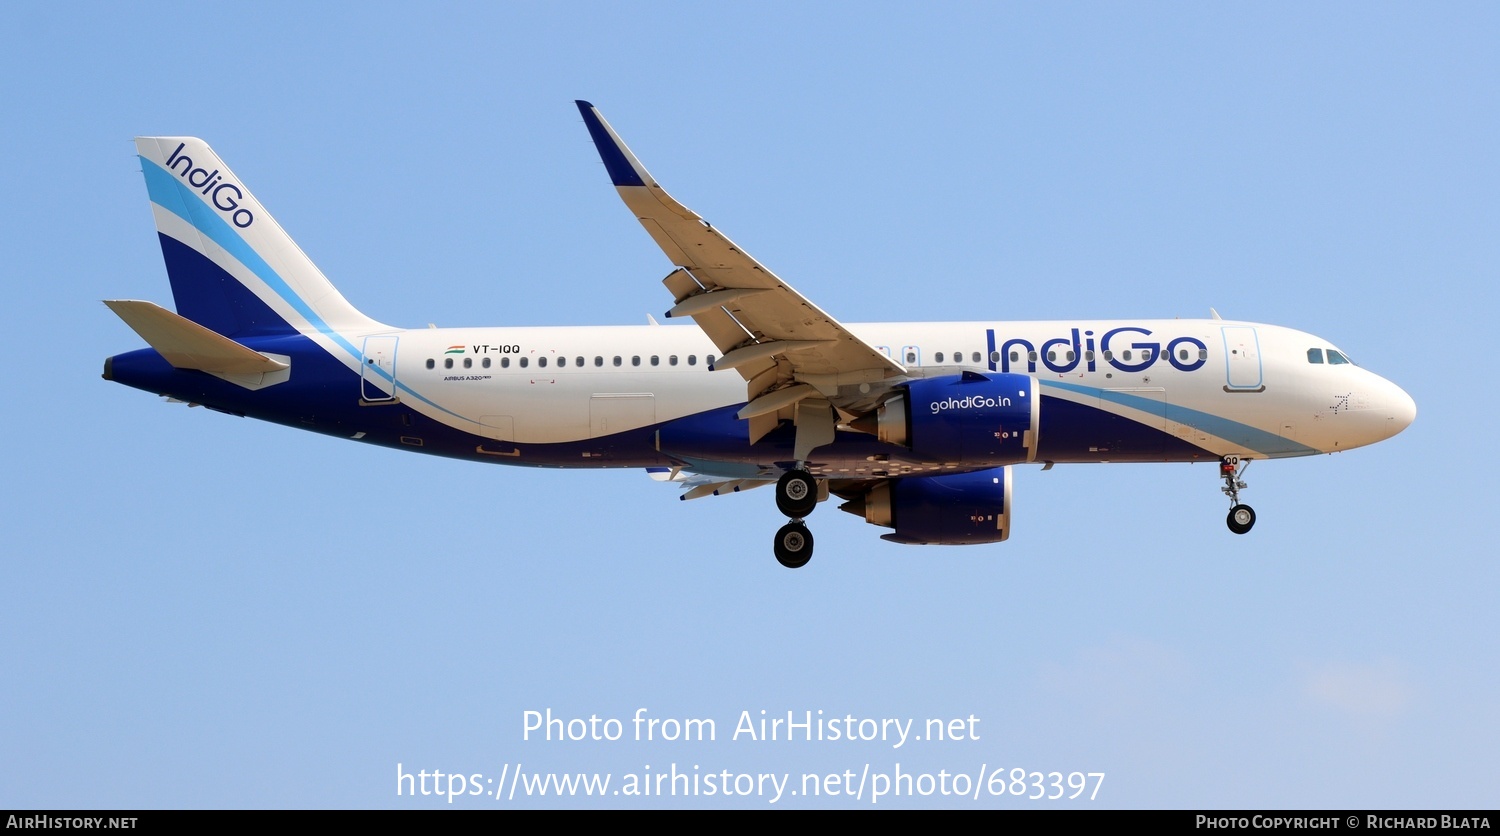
[{"x": 186, "y": 344}]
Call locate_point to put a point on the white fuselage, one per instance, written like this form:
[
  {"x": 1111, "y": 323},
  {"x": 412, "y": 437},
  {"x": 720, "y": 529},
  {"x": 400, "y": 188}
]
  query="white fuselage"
[{"x": 541, "y": 385}]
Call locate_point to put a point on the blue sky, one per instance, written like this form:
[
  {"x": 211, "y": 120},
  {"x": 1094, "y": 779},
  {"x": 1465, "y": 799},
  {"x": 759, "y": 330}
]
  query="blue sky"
[{"x": 200, "y": 610}]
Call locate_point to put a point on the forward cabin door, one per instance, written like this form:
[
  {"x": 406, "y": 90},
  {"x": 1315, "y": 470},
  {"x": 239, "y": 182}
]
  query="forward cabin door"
[{"x": 1243, "y": 372}]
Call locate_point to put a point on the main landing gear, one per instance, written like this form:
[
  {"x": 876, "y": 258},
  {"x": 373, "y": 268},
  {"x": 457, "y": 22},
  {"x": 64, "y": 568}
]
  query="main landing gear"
[
  {"x": 796, "y": 496},
  {"x": 1241, "y": 517}
]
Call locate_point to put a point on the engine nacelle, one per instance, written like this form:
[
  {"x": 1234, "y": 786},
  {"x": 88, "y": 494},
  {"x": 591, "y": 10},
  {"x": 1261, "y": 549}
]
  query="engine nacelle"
[
  {"x": 954, "y": 509},
  {"x": 970, "y": 418}
]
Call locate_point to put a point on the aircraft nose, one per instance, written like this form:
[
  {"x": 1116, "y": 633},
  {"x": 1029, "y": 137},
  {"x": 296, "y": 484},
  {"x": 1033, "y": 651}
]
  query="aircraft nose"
[
  {"x": 1403, "y": 409},
  {"x": 1397, "y": 407}
]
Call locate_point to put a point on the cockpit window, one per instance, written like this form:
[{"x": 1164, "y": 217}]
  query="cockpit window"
[
  {"x": 1315, "y": 355},
  {"x": 1335, "y": 358}
]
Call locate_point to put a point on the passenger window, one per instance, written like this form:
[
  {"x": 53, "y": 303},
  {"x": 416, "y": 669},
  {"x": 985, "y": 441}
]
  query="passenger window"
[
  {"x": 562, "y": 362},
  {"x": 447, "y": 362},
  {"x": 541, "y": 362},
  {"x": 1031, "y": 356},
  {"x": 655, "y": 360},
  {"x": 578, "y": 361},
  {"x": 468, "y": 362},
  {"x": 709, "y": 359},
  {"x": 938, "y": 357},
  {"x": 1315, "y": 355},
  {"x": 431, "y": 363},
  {"x": 598, "y": 360},
  {"x": 1088, "y": 356},
  {"x": 911, "y": 358},
  {"x": 1015, "y": 356},
  {"x": 636, "y": 360},
  {"x": 485, "y": 362},
  {"x": 1182, "y": 354},
  {"x": 1108, "y": 356},
  {"x": 523, "y": 362},
  {"x": 692, "y": 359},
  {"x": 995, "y": 357},
  {"x": 1071, "y": 356},
  {"x": 672, "y": 361},
  {"x": 1335, "y": 358},
  {"x": 1127, "y": 355},
  {"x": 504, "y": 362},
  {"x": 1202, "y": 354},
  {"x": 976, "y": 357},
  {"x": 1051, "y": 357},
  {"x": 617, "y": 360},
  {"x": 1146, "y": 355}
]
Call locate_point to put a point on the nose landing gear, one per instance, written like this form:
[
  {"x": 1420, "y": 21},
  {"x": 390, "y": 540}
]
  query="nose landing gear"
[
  {"x": 796, "y": 497},
  {"x": 1241, "y": 517}
]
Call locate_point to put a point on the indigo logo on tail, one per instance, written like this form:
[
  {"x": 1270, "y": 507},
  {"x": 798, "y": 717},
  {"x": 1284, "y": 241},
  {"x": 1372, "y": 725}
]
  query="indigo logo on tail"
[{"x": 225, "y": 196}]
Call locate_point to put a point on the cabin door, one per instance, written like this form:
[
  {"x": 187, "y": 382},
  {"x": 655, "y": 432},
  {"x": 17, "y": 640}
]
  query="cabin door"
[
  {"x": 1243, "y": 371},
  {"x": 377, "y": 373}
]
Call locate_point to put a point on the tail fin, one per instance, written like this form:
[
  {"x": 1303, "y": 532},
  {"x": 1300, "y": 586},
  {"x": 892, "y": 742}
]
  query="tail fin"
[{"x": 233, "y": 269}]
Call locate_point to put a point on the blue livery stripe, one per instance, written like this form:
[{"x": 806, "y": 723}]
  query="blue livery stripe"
[
  {"x": 209, "y": 296},
  {"x": 1252, "y": 438}
]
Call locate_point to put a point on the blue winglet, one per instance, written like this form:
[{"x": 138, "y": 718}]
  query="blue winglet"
[{"x": 611, "y": 150}]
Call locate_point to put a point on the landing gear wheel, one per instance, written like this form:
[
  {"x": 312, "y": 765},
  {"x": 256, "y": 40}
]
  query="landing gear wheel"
[
  {"x": 1241, "y": 518},
  {"x": 796, "y": 494},
  {"x": 794, "y": 545}
]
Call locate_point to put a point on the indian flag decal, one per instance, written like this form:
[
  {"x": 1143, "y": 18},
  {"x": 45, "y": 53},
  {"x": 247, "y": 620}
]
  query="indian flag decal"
[{"x": 454, "y": 349}]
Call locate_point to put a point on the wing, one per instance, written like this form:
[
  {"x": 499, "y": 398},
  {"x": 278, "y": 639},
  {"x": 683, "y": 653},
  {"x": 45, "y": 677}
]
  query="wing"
[{"x": 798, "y": 362}]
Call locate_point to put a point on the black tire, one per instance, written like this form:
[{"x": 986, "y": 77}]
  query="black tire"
[
  {"x": 796, "y": 494},
  {"x": 1241, "y": 519},
  {"x": 794, "y": 545}
]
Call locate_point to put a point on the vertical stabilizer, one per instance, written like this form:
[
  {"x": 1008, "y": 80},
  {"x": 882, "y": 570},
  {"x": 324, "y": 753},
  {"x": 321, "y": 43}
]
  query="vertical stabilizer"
[{"x": 233, "y": 269}]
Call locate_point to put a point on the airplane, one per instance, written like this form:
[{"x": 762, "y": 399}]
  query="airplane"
[{"x": 917, "y": 426}]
